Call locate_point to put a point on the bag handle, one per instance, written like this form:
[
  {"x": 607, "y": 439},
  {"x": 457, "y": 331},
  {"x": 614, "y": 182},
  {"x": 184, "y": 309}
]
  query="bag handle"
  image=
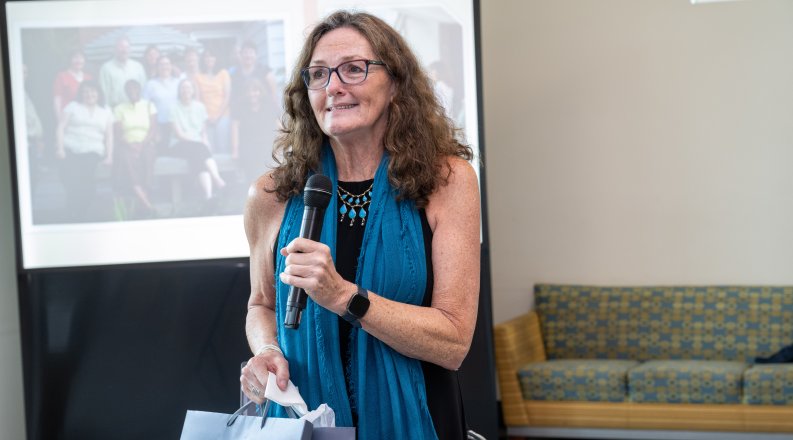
[
  {"x": 237, "y": 413},
  {"x": 233, "y": 417}
]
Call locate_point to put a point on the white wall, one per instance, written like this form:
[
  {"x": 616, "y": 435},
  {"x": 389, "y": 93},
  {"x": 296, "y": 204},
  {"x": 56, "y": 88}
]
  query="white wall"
[
  {"x": 12, "y": 415},
  {"x": 637, "y": 142}
]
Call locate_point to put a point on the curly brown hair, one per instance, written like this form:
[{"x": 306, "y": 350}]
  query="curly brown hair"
[{"x": 419, "y": 137}]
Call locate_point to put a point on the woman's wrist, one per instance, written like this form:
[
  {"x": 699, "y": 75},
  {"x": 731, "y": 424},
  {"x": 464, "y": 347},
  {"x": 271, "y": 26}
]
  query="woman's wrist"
[
  {"x": 268, "y": 347},
  {"x": 347, "y": 290}
]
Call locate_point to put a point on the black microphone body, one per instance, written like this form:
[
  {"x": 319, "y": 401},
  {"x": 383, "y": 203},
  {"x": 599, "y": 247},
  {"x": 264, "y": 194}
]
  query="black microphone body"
[{"x": 316, "y": 196}]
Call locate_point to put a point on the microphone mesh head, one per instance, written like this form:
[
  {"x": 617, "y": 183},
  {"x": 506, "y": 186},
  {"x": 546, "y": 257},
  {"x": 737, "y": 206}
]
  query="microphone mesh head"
[{"x": 318, "y": 191}]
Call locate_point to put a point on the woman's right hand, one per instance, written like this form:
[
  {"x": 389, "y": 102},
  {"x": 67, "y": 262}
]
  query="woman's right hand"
[{"x": 254, "y": 374}]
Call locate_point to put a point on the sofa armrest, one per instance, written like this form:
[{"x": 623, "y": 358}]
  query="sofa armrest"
[{"x": 518, "y": 342}]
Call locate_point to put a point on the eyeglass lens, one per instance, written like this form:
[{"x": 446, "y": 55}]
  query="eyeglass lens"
[{"x": 350, "y": 72}]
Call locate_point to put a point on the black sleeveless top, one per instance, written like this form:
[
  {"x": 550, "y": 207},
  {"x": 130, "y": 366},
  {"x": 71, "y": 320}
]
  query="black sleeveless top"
[{"x": 444, "y": 398}]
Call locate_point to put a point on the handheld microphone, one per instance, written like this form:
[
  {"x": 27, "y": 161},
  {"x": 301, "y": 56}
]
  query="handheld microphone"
[{"x": 316, "y": 197}]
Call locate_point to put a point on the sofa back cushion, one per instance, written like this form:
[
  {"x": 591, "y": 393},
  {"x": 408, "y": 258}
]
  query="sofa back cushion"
[{"x": 645, "y": 323}]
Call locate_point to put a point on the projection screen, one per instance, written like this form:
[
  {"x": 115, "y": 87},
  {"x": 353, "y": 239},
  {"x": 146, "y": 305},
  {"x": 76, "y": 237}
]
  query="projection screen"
[{"x": 89, "y": 214}]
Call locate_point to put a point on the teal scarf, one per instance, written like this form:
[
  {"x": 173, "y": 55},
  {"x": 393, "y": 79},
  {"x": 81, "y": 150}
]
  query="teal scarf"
[{"x": 387, "y": 388}]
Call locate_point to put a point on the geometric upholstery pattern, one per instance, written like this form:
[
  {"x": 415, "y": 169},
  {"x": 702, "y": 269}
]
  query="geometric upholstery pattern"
[
  {"x": 598, "y": 380},
  {"x": 672, "y": 322},
  {"x": 768, "y": 384},
  {"x": 686, "y": 381}
]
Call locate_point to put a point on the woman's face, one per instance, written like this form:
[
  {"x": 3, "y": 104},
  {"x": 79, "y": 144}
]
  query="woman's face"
[
  {"x": 191, "y": 60},
  {"x": 247, "y": 57},
  {"x": 133, "y": 91},
  {"x": 77, "y": 62},
  {"x": 164, "y": 68},
  {"x": 342, "y": 109},
  {"x": 209, "y": 60},
  {"x": 186, "y": 91},
  {"x": 151, "y": 56},
  {"x": 254, "y": 94},
  {"x": 90, "y": 96}
]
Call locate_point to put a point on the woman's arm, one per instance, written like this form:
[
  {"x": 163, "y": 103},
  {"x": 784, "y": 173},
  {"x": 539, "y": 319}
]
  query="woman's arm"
[
  {"x": 204, "y": 134},
  {"x": 109, "y": 140},
  {"x": 177, "y": 127},
  {"x": 224, "y": 107},
  {"x": 60, "y": 152},
  {"x": 442, "y": 333},
  {"x": 272, "y": 87},
  {"x": 57, "y": 101},
  {"x": 262, "y": 218},
  {"x": 151, "y": 134}
]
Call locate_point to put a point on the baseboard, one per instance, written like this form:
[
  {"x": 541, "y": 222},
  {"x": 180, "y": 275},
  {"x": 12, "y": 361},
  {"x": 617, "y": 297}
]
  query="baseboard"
[{"x": 640, "y": 434}]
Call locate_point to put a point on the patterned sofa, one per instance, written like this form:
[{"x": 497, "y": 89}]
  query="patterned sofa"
[{"x": 666, "y": 359}]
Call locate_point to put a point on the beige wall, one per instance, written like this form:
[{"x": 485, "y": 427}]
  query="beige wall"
[
  {"x": 637, "y": 142},
  {"x": 12, "y": 416}
]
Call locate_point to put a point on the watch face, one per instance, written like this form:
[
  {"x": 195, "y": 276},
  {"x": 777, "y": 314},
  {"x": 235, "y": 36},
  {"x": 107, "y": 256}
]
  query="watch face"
[{"x": 358, "y": 306}]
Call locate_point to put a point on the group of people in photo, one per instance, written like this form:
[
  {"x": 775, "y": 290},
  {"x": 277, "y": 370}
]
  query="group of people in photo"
[{"x": 184, "y": 104}]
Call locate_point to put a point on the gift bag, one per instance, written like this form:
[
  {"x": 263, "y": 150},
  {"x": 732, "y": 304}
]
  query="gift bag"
[{"x": 202, "y": 425}]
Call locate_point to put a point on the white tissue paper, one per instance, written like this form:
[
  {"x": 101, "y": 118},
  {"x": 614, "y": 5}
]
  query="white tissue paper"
[{"x": 322, "y": 417}]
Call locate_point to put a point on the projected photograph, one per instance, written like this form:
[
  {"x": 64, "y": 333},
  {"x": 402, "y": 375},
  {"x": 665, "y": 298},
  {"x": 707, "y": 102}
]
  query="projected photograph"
[
  {"x": 147, "y": 122},
  {"x": 138, "y": 126}
]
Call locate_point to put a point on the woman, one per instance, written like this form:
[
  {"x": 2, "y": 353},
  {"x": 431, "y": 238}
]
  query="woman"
[
  {"x": 214, "y": 86},
  {"x": 162, "y": 91},
  {"x": 247, "y": 70},
  {"x": 363, "y": 112},
  {"x": 135, "y": 131},
  {"x": 190, "y": 141},
  {"x": 64, "y": 89},
  {"x": 192, "y": 66},
  {"x": 253, "y": 130},
  {"x": 84, "y": 140},
  {"x": 150, "y": 56}
]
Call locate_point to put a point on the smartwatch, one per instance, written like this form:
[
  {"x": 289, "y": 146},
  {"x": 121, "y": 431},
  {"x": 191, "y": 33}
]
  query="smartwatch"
[{"x": 357, "y": 307}]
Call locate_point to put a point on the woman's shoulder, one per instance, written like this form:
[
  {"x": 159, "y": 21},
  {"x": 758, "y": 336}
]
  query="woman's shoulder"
[
  {"x": 459, "y": 173},
  {"x": 263, "y": 209},
  {"x": 72, "y": 106},
  {"x": 459, "y": 191}
]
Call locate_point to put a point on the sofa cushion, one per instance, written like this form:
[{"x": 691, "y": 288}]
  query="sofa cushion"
[
  {"x": 731, "y": 323},
  {"x": 768, "y": 384},
  {"x": 676, "y": 381},
  {"x": 576, "y": 379}
]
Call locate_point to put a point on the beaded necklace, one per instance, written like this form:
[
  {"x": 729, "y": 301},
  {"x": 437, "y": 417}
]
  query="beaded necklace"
[{"x": 354, "y": 205}]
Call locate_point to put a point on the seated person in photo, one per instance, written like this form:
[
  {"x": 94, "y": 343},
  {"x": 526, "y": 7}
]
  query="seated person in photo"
[
  {"x": 189, "y": 118},
  {"x": 135, "y": 132}
]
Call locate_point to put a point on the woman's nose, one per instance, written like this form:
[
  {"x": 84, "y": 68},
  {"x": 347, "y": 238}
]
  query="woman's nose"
[{"x": 335, "y": 85}]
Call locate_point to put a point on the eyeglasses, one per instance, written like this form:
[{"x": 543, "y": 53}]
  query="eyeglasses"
[{"x": 349, "y": 72}]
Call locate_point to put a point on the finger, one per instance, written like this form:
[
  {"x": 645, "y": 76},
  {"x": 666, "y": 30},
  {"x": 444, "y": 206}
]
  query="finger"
[
  {"x": 253, "y": 392},
  {"x": 299, "y": 270},
  {"x": 251, "y": 377},
  {"x": 281, "y": 372},
  {"x": 309, "y": 283},
  {"x": 304, "y": 245}
]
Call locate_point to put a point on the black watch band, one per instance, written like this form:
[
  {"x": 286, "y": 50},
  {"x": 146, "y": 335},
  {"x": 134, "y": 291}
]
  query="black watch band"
[{"x": 357, "y": 307}]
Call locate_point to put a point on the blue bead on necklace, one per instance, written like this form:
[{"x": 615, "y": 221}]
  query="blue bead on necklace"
[{"x": 354, "y": 205}]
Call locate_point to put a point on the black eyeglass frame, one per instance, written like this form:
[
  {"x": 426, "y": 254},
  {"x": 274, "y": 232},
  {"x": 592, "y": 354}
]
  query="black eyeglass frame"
[{"x": 306, "y": 78}]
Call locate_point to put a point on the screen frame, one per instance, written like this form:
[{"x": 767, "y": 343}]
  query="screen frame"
[{"x": 238, "y": 250}]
